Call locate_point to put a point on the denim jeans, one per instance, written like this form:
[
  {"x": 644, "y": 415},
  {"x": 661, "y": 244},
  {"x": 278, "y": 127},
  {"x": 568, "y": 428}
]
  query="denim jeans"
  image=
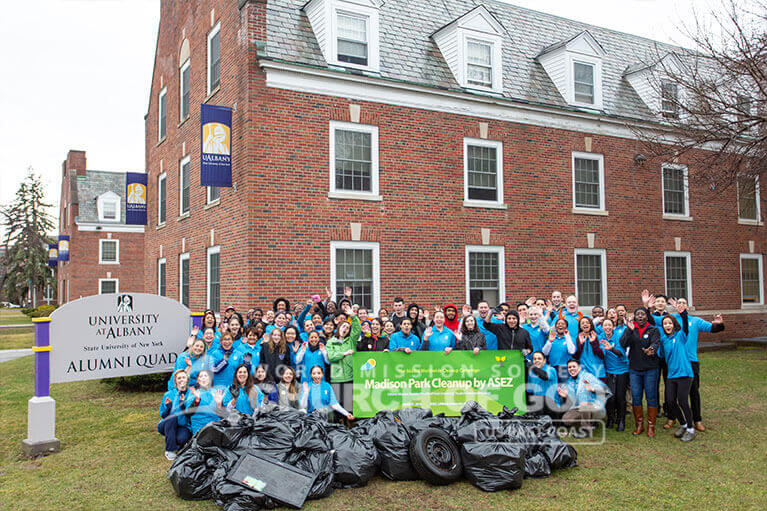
[
  {"x": 175, "y": 436},
  {"x": 647, "y": 382}
]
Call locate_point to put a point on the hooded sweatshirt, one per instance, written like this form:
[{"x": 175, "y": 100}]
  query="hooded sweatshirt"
[
  {"x": 510, "y": 338},
  {"x": 452, "y": 324}
]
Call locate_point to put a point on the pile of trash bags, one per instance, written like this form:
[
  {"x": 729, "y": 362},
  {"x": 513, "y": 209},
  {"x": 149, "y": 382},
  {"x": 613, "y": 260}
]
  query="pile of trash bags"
[{"x": 493, "y": 452}]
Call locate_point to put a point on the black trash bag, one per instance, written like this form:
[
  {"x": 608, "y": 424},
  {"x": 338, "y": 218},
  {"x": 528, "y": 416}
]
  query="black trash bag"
[
  {"x": 226, "y": 433},
  {"x": 392, "y": 439},
  {"x": 559, "y": 453},
  {"x": 493, "y": 466},
  {"x": 315, "y": 462},
  {"x": 411, "y": 415},
  {"x": 508, "y": 413},
  {"x": 356, "y": 459},
  {"x": 486, "y": 429},
  {"x": 537, "y": 465},
  {"x": 191, "y": 473},
  {"x": 447, "y": 424},
  {"x": 271, "y": 434},
  {"x": 472, "y": 411}
]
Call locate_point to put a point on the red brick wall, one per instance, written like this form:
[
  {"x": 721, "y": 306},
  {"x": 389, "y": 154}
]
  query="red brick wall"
[{"x": 275, "y": 229}]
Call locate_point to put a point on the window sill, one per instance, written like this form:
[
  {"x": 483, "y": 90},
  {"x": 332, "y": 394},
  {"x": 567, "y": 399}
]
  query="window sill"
[
  {"x": 746, "y": 221},
  {"x": 753, "y": 306},
  {"x": 182, "y": 121},
  {"x": 593, "y": 212},
  {"x": 486, "y": 205},
  {"x": 678, "y": 218},
  {"x": 213, "y": 204},
  {"x": 109, "y": 262},
  {"x": 183, "y": 217},
  {"x": 160, "y": 226},
  {"x": 354, "y": 196},
  {"x": 212, "y": 93}
]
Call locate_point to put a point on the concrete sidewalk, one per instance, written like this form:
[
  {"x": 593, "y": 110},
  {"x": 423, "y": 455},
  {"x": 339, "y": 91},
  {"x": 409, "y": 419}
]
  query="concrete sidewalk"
[
  {"x": 24, "y": 325},
  {"x": 7, "y": 355}
]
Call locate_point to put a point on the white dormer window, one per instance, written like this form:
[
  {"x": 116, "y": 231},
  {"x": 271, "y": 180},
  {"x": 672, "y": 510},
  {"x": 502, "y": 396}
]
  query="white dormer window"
[
  {"x": 108, "y": 206},
  {"x": 471, "y": 46},
  {"x": 347, "y": 31},
  {"x": 575, "y": 67},
  {"x": 654, "y": 85},
  {"x": 669, "y": 99}
]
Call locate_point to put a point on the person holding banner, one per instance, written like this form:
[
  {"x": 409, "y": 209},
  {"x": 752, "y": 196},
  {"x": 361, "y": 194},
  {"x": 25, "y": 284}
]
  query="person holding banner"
[
  {"x": 224, "y": 360},
  {"x": 243, "y": 395},
  {"x": 203, "y": 402},
  {"x": 319, "y": 395},
  {"x": 469, "y": 336},
  {"x": 192, "y": 362},
  {"x": 404, "y": 340},
  {"x": 174, "y": 424},
  {"x": 438, "y": 337},
  {"x": 510, "y": 335}
]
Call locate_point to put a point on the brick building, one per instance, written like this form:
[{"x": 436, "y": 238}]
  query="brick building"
[
  {"x": 105, "y": 254},
  {"x": 441, "y": 151}
]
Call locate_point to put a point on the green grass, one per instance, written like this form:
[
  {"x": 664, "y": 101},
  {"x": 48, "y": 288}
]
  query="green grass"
[
  {"x": 16, "y": 338},
  {"x": 112, "y": 456},
  {"x": 13, "y": 317}
]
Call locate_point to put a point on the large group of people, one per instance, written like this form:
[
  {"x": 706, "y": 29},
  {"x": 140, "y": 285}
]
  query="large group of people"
[{"x": 579, "y": 367}]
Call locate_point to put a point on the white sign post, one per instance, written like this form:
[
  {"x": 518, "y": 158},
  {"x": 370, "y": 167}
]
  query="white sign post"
[{"x": 101, "y": 336}]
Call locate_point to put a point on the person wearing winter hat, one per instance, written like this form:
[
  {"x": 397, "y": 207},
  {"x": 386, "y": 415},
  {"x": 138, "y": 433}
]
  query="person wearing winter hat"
[
  {"x": 510, "y": 335},
  {"x": 452, "y": 321}
]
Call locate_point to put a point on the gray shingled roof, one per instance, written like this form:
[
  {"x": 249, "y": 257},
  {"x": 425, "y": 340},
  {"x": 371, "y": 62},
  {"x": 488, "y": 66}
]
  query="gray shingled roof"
[
  {"x": 95, "y": 183},
  {"x": 408, "y": 53}
]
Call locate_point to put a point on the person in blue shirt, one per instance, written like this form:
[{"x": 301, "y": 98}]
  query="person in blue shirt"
[
  {"x": 537, "y": 328},
  {"x": 280, "y": 321},
  {"x": 224, "y": 361},
  {"x": 694, "y": 326},
  {"x": 312, "y": 353},
  {"x": 192, "y": 361},
  {"x": 174, "y": 424},
  {"x": 584, "y": 396},
  {"x": 673, "y": 338},
  {"x": 571, "y": 314},
  {"x": 243, "y": 395},
  {"x": 617, "y": 374},
  {"x": 588, "y": 352},
  {"x": 559, "y": 348},
  {"x": 438, "y": 337},
  {"x": 491, "y": 340},
  {"x": 293, "y": 340},
  {"x": 204, "y": 403},
  {"x": 317, "y": 394},
  {"x": 619, "y": 325},
  {"x": 251, "y": 348},
  {"x": 542, "y": 386},
  {"x": 404, "y": 340}
]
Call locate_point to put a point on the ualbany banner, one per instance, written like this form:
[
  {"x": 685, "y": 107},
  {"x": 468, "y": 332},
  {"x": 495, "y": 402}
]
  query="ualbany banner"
[
  {"x": 216, "y": 145},
  {"x": 63, "y": 247},
  {"x": 443, "y": 383},
  {"x": 53, "y": 255},
  {"x": 136, "y": 194}
]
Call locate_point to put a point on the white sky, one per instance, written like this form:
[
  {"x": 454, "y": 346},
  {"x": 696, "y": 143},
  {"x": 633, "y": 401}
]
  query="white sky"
[{"x": 76, "y": 75}]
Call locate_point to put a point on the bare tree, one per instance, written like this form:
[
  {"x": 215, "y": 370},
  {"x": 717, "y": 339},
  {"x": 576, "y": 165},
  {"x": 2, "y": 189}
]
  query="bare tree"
[{"x": 712, "y": 98}]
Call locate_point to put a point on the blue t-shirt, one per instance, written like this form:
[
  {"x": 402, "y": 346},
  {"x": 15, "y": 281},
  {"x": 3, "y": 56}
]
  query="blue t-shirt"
[
  {"x": 490, "y": 338},
  {"x": 223, "y": 368},
  {"x": 673, "y": 349},
  {"x": 399, "y": 340},
  {"x": 537, "y": 337},
  {"x": 215, "y": 344},
  {"x": 558, "y": 355},
  {"x": 590, "y": 362},
  {"x": 614, "y": 364},
  {"x": 540, "y": 387},
  {"x": 439, "y": 340},
  {"x": 321, "y": 396},
  {"x": 243, "y": 401},
  {"x": 694, "y": 325},
  {"x": 311, "y": 359},
  {"x": 201, "y": 363},
  {"x": 175, "y": 407},
  {"x": 205, "y": 412}
]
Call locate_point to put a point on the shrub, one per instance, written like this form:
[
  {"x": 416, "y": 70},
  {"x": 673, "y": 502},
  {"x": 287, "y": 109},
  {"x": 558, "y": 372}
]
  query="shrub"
[
  {"x": 43, "y": 311},
  {"x": 157, "y": 382}
]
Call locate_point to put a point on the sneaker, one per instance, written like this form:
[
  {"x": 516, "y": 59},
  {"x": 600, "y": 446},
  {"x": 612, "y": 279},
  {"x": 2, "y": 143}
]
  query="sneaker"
[
  {"x": 680, "y": 432},
  {"x": 688, "y": 436},
  {"x": 170, "y": 455}
]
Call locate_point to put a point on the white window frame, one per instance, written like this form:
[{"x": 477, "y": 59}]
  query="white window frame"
[
  {"x": 498, "y": 249},
  {"x": 596, "y": 62},
  {"x": 602, "y": 209},
  {"x": 670, "y": 114},
  {"x": 591, "y": 251},
  {"x": 496, "y": 61},
  {"x": 117, "y": 250},
  {"x": 686, "y": 255},
  {"x": 117, "y": 285},
  {"x": 108, "y": 197},
  {"x": 476, "y": 203},
  {"x": 373, "y": 194},
  {"x": 181, "y": 258},
  {"x": 208, "y": 200},
  {"x": 362, "y": 245},
  {"x": 162, "y": 262},
  {"x": 750, "y": 221},
  {"x": 160, "y": 135},
  {"x": 184, "y": 161},
  {"x": 162, "y": 177},
  {"x": 181, "y": 69},
  {"x": 593, "y": 67},
  {"x": 213, "y": 31},
  {"x": 372, "y": 26},
  {"x": 675, "y": 216},
  {"x": 212, "y": 250},
  {"x": 759, "y": 258}
]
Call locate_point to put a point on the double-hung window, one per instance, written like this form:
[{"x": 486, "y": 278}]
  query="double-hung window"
[
  {"x": 479, "y": 63},
  {"x": 675, "y": 191},
  {"x": 183, "y": 278},
  {"x": 161, "y": 202},
  {"x": 748, "y": 199},
  {"x": 678, "y": 284},
  {"x": 583, "y": 83},
  {"x": 214, "y": 278},
  {"x": 109, "y": 251},
  {"x": 356, "y": 265},
  {"x": 353, "y": 159},
  {"x": 751, "y": 279},
  {"x": 352, "y": 41},
  {"x": 588, "y": 182},
  {"x": 161, "y": 289},
  {"x": 162, "y": 113},
  {"x": 107, "y": 286},
  {"x": 483, "y": 172},
  {"x": 669, "y": 99},
  {"x": 184, "y": 178},
  {"x": 591, "y": 277},
  {"x": 184, "y": 77},
  {"x": 485, "y": 275},
  {"x": 214, "y": 58}
]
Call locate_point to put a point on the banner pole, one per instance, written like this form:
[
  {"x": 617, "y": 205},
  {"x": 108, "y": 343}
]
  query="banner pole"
[{"x": 41, "y": 416}]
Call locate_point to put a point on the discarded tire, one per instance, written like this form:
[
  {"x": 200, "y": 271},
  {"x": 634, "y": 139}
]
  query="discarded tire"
[{"x": 436, "y": 457}]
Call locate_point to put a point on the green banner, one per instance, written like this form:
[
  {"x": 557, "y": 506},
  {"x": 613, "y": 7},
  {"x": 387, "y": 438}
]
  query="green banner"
[{"x": 432, "y": 379}]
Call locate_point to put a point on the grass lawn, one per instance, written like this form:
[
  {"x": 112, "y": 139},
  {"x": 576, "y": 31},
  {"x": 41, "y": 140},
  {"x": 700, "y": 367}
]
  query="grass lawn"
[
  {"x": 15, "y": 338},
  {"x": 112, "y": 456},
  {"x": 13, "y": 317}
]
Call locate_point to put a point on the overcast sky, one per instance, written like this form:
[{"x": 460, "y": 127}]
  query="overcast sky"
[{"x": 77, "y": 76}]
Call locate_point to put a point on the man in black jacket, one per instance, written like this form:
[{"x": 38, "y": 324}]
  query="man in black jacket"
[{"x": 510, "y": 335}]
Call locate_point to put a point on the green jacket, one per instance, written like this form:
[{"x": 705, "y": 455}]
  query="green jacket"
[{"x": 341, "y": 369}]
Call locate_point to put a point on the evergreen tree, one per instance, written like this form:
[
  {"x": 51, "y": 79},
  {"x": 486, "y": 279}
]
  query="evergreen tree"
[{"x": 27, "y": 223}]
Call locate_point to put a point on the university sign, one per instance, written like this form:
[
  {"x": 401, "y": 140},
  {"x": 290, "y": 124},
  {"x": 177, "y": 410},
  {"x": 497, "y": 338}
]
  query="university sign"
[{"x": 106, "y": 336}]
